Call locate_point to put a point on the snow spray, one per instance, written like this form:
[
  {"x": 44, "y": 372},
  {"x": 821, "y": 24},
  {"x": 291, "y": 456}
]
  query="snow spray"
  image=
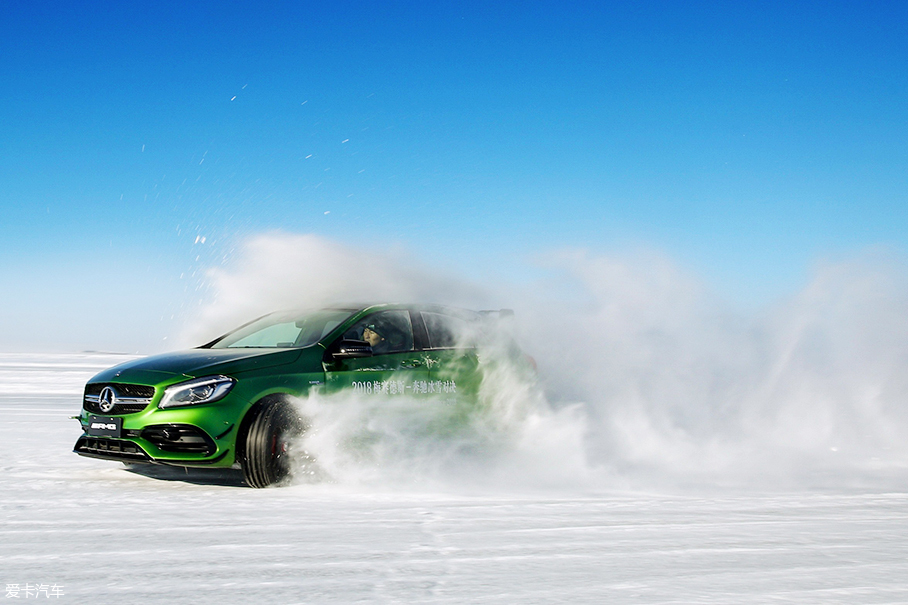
[{"x": 645, "y": 377}]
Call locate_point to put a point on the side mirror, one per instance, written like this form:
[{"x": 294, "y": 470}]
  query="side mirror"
[{"x": 348, "y": 349}]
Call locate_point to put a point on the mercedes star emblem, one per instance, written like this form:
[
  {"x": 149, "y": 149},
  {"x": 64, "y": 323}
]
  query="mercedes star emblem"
[{"x": 107, "y": 400}]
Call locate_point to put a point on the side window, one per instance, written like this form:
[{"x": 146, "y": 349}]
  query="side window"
[
  {"x": 386, "y": 331},
  {"x": 445, "y": 331}
]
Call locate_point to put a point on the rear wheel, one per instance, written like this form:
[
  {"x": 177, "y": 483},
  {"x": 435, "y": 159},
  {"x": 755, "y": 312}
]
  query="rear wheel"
[{"x": 267, "y": 449}]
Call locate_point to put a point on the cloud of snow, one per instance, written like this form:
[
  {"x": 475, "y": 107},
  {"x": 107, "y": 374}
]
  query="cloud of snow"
[
  {"x": 645, "y": 376},
  {"x": 680, "y": 386},
  {"x": 285, "y": 271}
]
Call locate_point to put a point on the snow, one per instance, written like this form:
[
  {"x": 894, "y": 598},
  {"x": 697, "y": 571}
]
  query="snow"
[{"x": 108, "y": 534}]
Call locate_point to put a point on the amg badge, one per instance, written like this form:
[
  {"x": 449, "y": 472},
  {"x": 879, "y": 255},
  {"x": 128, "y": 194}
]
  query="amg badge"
[{"x": 104, "y": 426}]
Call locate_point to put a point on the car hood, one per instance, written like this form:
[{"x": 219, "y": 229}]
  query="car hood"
[{"x": 196, "y": 362}]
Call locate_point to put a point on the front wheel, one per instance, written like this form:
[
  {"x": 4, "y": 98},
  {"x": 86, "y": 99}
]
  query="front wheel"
[{"x": 267, "y": 458}]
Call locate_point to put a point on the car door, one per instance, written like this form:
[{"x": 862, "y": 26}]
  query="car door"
[
  {"x": 395, "y": 369},
  {"x": 451, "y": 356}
]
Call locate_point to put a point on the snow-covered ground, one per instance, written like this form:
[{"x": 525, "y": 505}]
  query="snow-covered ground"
[{"x": 105, "y": 534}]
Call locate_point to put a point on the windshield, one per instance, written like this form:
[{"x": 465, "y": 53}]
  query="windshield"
[{"x": 284, "y": 330}]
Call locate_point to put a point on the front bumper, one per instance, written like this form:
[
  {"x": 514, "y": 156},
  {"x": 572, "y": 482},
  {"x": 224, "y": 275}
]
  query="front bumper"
[
  {"x": 176, "y": 444},
  {"x": 201, "y": 435}
]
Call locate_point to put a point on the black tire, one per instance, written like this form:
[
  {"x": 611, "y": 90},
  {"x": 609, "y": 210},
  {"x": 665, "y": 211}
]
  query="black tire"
[{"x": 267, "y": 448}]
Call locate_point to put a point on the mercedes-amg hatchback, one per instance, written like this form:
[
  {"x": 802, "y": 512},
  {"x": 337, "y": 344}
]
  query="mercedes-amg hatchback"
[{"x": 227, "y": 403}]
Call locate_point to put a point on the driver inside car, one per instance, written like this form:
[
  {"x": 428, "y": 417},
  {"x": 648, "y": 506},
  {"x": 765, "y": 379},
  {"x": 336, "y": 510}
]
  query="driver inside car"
[{"x": 374, "y": 335}]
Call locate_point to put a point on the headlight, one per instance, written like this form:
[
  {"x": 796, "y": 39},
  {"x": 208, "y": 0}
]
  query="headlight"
[{"x": 200, "y": 390}]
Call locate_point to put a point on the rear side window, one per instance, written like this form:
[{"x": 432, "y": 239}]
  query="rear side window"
[{"x": 445, "y": 331}]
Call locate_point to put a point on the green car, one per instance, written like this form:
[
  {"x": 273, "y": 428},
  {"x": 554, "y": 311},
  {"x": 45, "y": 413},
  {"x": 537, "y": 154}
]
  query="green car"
[{"x": 227, "y": 403}]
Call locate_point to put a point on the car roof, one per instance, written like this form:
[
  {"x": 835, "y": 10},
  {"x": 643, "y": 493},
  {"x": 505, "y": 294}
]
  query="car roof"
[{"x": 428, "y": 307}]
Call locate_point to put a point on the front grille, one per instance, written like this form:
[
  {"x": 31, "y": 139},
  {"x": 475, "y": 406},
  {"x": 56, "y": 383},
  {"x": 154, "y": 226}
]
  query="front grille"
[
  {"x": 116, "y": 449},
  {"x": 130, "y": 398},
  {"x": 125, "y": 390},
  {"x": 183, "y": 438}
]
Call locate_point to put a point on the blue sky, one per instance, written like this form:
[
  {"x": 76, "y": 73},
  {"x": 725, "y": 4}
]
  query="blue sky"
[{"x": 745, "y": 140}]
